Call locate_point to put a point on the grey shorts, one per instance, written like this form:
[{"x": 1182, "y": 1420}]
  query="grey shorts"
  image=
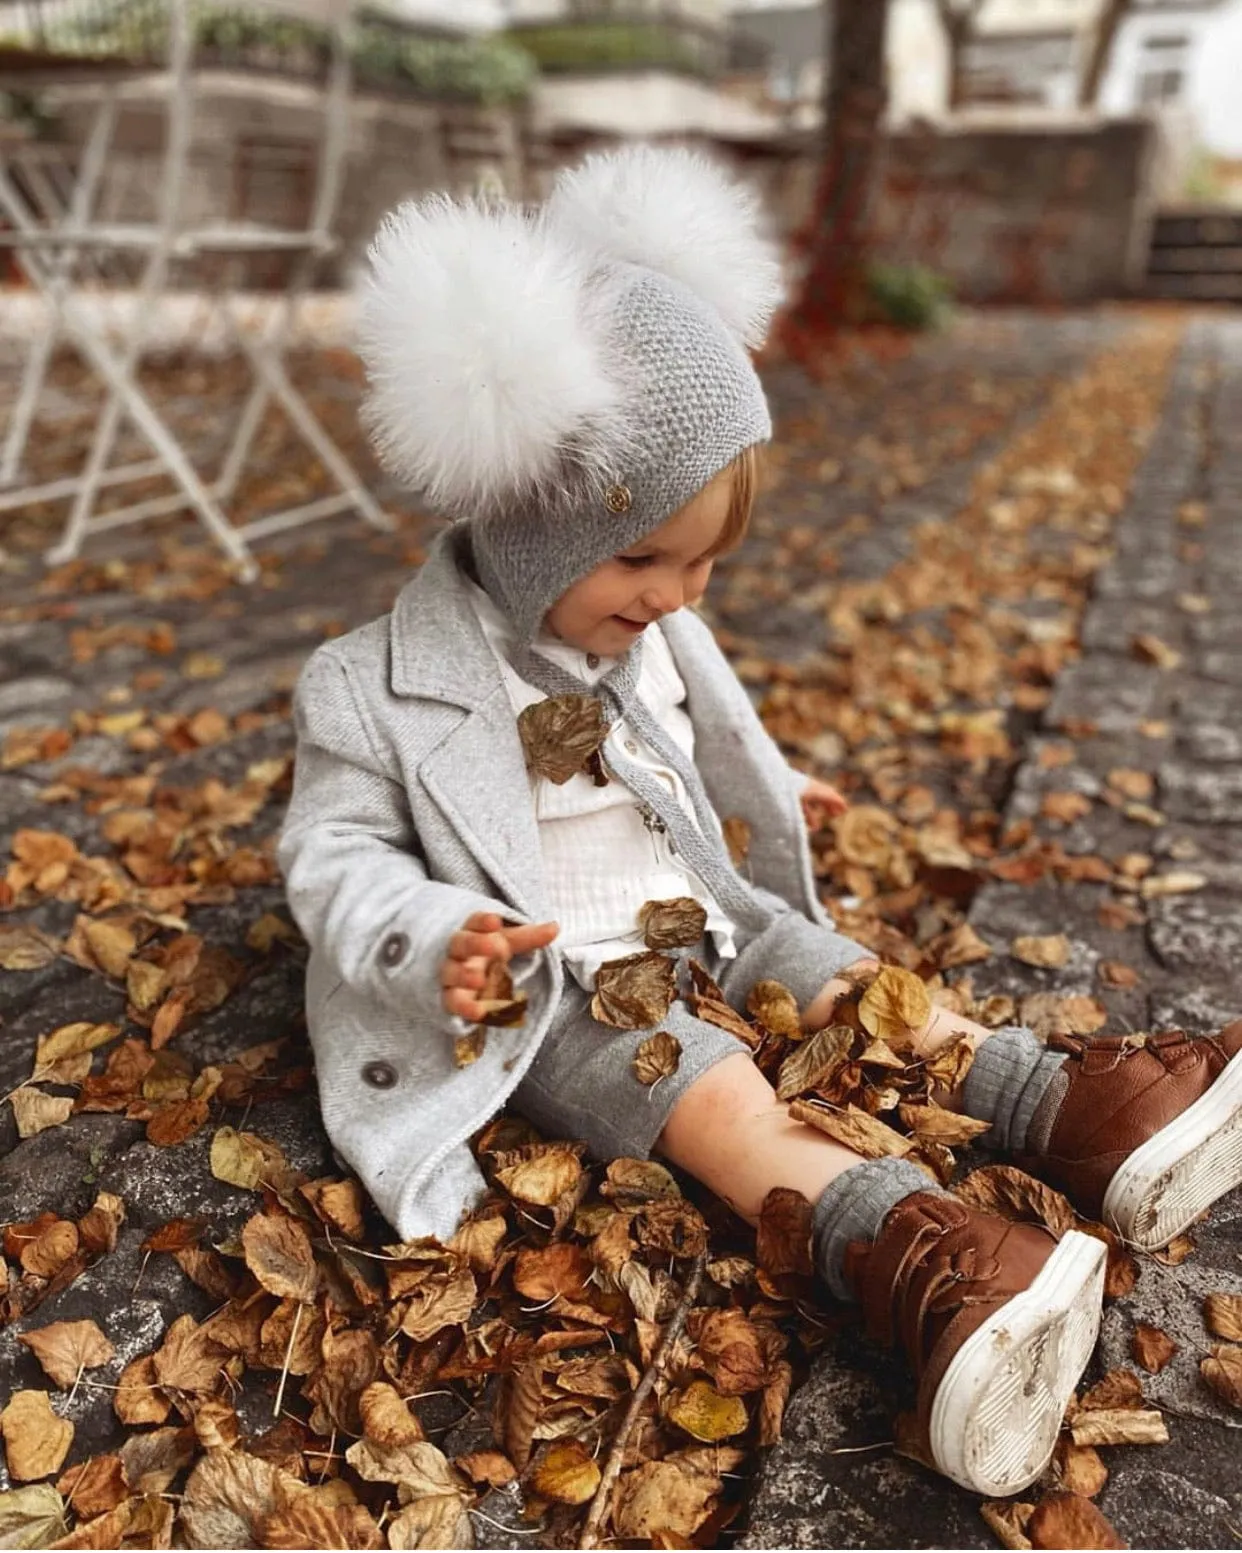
[{"x": 582, "y": 1084}]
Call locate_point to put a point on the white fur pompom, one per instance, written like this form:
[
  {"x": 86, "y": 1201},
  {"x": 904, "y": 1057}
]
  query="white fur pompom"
[
  {"x": 675, "y": 211},
  {"x": 484, "y": 358}
]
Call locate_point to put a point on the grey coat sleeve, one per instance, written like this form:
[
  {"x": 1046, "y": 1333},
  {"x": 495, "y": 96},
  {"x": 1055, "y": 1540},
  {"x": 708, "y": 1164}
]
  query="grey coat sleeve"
[{"x": 351, "y": 861}]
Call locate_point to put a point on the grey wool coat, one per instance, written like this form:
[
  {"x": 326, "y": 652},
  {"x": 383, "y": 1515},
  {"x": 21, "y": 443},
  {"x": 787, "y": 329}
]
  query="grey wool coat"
[{"x": 411, "y": 810}]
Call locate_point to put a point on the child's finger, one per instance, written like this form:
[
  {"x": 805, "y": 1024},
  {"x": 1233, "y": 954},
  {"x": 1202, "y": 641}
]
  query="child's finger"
[
  {"x": 462, "y": 1003},
  {"x": 483, "y": 922},
  {"x": 534, "y": 935},
  {"x": 486, "y": 946},
  {"x": 463, "y": 973}
]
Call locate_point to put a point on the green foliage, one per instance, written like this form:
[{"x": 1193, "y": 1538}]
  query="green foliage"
[
  {"x": 384, "y": 56},
  {"x": 911, "y": 296},
  {"x": 608, "y": 45}
]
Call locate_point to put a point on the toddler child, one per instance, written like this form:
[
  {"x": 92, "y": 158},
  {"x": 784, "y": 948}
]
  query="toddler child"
[{"x": 543, "y": 736}]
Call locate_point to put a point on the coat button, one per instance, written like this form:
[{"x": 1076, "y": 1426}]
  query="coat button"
[
  {"x": 631, "y": 746},
  {"x": 380, "y": 1075},
  {"x": 592, "y": 660},
  {"x": 393, "y": 949}
]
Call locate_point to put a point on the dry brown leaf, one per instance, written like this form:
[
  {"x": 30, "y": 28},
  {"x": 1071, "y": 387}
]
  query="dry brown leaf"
[
  {"x": 25, "y": 949},
  {"x": 138, "y": 1398},
  {"x": 99, "y": 1225},
  {"x": 492, "y": 1468},
  {"x": 933, "y": 1124},
  {"x": 949, "y": 1067},
  {"x": 443, "y": 1299},
  {"x": 351, "y": 1361},
  {"x": 1223, "y": 1372},
  {"x": 437, "y": 1521},
  {"x": 1119, "y": 1426},
  {"x": 523, "y": 1397},
  {"x": 1050, "y": 952},
  {"x": 544, "y": 1175},
  {"x": 729, "y": 1347},
  {"x": 1177, "y": 1250},
  {"x": 560, "y": 735},
  {"x": 1151, "y": 1348},
  {"x": 568, "y": 1474},
  {"x": 111, "y": 945},
  {"x": 672, "y": 1227},
  {"x": 1063, "y": 1520},
  {"x": 772, "y": 1403},
  {"x": 1049, "y": 1013},
  {"x": 1116, "y": 973},
  {"x": 31, "y": 1517},
  {"x": 480, "y": 1240},
  {"x": 36, "y": 1441},
  {"x": 50, "y": 1248},
  {"x": 189, "y": 1359},
  {"x": 1064, "y": 806},
  {"x": 1222, "y": 1314},
  {"x": 630, "y": 1182},
  {"x": 1080, "y": 1468},
  {"x": 674, "y": 1496},
  {"x": 502, "y": 1006},
  {"x": 468, "y": 1048},
  {"x": 895, "y": 1007},
  {"x": 94, "y": 1487},
  {"x": 1007, "y": 1520},
  {"x": 1010, "y": 1192},
  {"x": 339, "y": 1204},
  {"x": 278, "y": 1252},
  {"x": 814, "y": 1061},
  {"x": 386, "y": 1417},
  {"x": 229, "y": 1496},
  {"x": 1119, "y": 1388},
  {"x": 657, "y": 1057},
  {"x": 776, "y": 1009},
  {"x": 290, "y": 1338},
  {"x": 34, "y": 1110},
  {"x": 783, "y": 1241},
  {"x": 420, "y": 1468},
  {"x": 866, "y": 1135},
  {"x": 672, "y": 924},
  {"x": 563, "y": 1268},
  {"x": 961, "y": 945},
  {"x": 1149, "y": 648},
  {"x": 246, "y": 1160},
  {"x": 635, "y": 992},
  {"x": 66, "y": 1348},
  {"x": 309, "y": 1521},
  {"x": 71, "y": 1041}
]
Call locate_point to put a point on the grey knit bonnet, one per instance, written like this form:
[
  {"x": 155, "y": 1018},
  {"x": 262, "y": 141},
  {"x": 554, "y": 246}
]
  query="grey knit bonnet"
[{"x": 565, "y": 378}]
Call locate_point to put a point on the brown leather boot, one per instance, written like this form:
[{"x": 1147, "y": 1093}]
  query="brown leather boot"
[
  {"x": 998, "y": 1320},
  {"x": 1144, "y": 1137}
]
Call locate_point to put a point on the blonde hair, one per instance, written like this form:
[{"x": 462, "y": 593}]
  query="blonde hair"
[{"x": 745, "y": 468}]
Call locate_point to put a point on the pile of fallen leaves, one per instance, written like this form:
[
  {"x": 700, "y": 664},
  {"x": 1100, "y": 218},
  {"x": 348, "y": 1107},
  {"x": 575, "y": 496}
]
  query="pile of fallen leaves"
[{"x": 629, "y": 1362}]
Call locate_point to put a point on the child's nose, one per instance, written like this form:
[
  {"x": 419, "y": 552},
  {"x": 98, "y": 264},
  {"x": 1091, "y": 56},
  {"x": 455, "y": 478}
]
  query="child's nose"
[{"x": 664, "y": 598}]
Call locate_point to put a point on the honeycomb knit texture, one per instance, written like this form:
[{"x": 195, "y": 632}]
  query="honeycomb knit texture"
[{"x": 695, "y": 403}]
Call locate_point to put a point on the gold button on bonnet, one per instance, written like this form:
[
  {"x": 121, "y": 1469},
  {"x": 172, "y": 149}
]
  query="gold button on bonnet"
[{"x": 617, "y": 498}]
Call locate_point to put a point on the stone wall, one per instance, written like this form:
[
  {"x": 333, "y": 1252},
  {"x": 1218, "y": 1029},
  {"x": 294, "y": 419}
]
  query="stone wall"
[
  {"x": 1031, "y": 213},
  {"x": 1047, "y": 212}
]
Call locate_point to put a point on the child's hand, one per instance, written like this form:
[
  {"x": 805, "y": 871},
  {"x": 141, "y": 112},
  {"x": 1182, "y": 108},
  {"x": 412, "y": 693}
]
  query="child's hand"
[
  {"x": 821, "y": 802},
  {"x": 482, "y": 939}
]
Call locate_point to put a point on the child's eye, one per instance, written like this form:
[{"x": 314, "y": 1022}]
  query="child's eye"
[{"x": 635, "y": 562}]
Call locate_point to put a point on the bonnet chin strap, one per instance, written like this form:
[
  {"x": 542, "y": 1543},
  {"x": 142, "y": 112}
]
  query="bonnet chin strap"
[{"x": 701, "y": 847}]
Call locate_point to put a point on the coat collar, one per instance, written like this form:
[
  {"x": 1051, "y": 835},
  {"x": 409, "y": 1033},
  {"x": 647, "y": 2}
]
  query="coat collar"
[{"x": 438, "y": 649}]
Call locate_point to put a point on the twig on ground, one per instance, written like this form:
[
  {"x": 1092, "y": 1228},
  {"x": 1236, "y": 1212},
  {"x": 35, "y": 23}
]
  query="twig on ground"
[{"x": 612, "y": 1467}]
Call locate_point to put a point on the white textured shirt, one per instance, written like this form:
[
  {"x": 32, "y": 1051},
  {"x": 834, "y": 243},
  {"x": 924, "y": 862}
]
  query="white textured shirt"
[{"x": 601, "y": 861}]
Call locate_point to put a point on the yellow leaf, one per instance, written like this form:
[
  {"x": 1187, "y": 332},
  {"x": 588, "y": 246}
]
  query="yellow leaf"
[
  {"x": 71, "y": 1041},
  {"x": 34, "y": 1111},
  {"x": 701, "y": 1411},
  {"x": 66, "y": 1348},
  {"x": 568, "y": 1474},
  {"x": 246, "y": 1160},
  {"x": 1223, "y": 1315},
  {"x": 657, "y": 1057},
  {"x": 1049, "y": 952},
  {"x": 36, "y": 1441},
  {"x": 895, "y": 1007},
  {"x": 31, "y": 1517},
  {"x": 864, "y": 1134}
]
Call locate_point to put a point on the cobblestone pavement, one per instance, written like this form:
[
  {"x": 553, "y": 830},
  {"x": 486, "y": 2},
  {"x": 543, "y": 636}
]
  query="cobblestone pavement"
[
  {"x": 904, "y": 439},
  {"x": 1176, "y": 572}
]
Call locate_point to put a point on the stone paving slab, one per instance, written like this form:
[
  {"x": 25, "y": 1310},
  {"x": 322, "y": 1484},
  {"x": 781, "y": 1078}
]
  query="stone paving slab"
[{"x": 1187, "y": 1493}]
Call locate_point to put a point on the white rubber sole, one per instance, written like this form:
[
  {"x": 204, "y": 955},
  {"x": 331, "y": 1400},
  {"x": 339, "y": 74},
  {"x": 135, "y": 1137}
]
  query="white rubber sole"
[
  {"x": 1168, "y": 1182},
  {"x": 998, "y": 1409}
]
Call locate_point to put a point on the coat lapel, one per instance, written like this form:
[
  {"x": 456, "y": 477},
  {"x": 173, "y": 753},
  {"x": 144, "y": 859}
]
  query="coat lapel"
[{"x": 476, "y": 775}]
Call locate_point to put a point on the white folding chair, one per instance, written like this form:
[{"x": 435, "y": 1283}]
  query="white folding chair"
[{"x": 57, "y": 242}]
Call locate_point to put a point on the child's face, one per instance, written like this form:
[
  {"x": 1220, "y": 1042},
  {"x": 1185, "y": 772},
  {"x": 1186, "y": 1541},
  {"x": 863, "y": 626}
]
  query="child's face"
[{"x": 605, "y": 611}]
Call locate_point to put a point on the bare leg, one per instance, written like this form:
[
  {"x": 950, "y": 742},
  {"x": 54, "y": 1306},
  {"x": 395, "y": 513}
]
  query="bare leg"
[{"x": 731, "y": 1132}]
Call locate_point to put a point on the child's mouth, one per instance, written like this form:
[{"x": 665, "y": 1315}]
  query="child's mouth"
[{"x": 631, "y": 625}]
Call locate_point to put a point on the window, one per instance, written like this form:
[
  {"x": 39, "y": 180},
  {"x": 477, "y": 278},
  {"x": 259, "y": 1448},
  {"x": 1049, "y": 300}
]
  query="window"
[{"x": 1162, "y": 68}]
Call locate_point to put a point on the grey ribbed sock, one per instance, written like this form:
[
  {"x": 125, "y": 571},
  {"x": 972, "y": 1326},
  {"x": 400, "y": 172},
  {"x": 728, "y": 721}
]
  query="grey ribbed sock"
[
  {"x": 854, "y": 1206},
  {"x": 1008, "y": 1078}
]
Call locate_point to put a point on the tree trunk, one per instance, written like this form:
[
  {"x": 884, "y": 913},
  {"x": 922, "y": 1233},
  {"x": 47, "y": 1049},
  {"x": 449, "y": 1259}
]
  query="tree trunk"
[
  {"x": 1111, "y": 18},
  {"x": 836, "y": 236}
]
